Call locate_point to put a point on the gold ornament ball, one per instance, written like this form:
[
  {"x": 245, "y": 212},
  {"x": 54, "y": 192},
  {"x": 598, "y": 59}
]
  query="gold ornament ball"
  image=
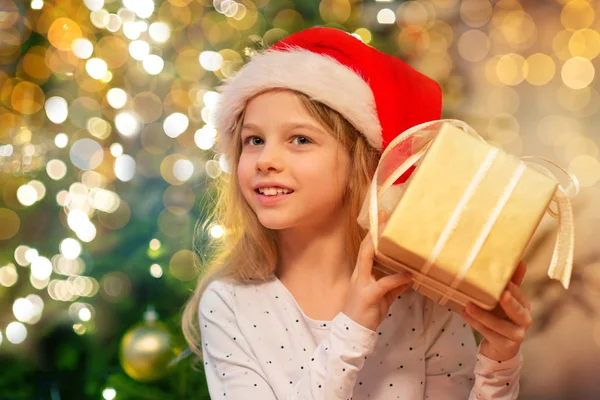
[{"x": 146, "y": 350}]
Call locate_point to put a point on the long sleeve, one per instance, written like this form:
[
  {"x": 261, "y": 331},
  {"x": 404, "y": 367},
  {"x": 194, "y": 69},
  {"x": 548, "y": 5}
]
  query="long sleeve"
[
  {"x": 497, "y": 380},
  {"x": 456, "y": 370},
  {"x": 233, "y": 371}
]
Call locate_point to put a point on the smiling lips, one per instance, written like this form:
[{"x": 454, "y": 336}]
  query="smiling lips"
[
  {"x": 270, "y": 193},
  {"x": 273, "y": 191}
]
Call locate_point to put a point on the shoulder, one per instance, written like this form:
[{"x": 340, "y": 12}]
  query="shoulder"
[{"x": 230, "y": 294}]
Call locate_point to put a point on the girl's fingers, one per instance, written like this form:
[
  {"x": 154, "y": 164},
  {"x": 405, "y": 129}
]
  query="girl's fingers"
[
  {"x": 366, "y": 252},
  {"x": 503, "y": 327},
  {"x": 519, "y": 295},
  {"x": 392, "y": 295},
  {"x": 519, "y": 274},
  {"x": 390, "y": 282},
  {"x": 492, "y": 336},
  {"x": 514, "y": 310},
  {"x": 364, "y": 263}
]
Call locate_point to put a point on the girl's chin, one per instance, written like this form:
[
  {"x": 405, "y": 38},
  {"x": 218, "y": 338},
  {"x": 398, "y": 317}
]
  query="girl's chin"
[{"x": 275, "y": 225}]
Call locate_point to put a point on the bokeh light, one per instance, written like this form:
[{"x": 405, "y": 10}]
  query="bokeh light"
[
  {"x": 175, "y": 124},
  {"x": 16, "y": 332},
  {"x": 117, "y": 98},
  {"x": 153, "y": 64},
  {"x": 156, "y": 270},
  {"x": 57, "y": 109},
  {"x": 61, "y": 140},
  {"x": 83, "y": 48},
  {"x": 86, "y": 154},
  {"x": 578, "y": 72}
]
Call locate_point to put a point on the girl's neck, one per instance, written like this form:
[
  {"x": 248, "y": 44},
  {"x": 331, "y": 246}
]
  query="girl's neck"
[{"x": 315, "y": 256}]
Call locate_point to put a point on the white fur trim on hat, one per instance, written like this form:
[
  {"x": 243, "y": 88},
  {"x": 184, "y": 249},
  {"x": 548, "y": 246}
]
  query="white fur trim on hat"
[{"x": 321, "y": 77}]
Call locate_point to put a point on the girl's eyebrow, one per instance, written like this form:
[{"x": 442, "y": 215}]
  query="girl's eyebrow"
[{"x": 288, "y": 126}]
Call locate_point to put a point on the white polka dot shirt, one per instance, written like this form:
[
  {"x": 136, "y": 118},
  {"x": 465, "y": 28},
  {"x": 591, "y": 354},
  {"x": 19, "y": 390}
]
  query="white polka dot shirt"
[{"x": 258, "y": 344}]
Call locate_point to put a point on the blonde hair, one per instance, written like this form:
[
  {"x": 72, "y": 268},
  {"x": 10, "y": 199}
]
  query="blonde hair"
[{"x": 248, "y": 251}]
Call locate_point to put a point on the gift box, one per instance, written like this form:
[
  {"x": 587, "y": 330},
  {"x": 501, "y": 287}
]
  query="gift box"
[{"x": 462, "y": 221}]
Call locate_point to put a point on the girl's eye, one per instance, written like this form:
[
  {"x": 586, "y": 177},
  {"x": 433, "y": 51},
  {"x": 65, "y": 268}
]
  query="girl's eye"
[
  {"x": 302, "y": 140},
  {"x": 253, "y": 141}
]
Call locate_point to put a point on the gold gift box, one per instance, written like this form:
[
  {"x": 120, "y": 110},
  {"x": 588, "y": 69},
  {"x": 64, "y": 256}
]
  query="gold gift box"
[{"x": 472, "y": 226}]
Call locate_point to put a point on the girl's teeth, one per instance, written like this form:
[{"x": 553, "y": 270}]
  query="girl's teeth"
[{"x": 273, "y": 191}]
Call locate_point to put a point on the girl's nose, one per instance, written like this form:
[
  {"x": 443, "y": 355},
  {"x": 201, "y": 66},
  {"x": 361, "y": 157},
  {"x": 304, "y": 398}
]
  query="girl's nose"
[{"x": 269, "y": 159}]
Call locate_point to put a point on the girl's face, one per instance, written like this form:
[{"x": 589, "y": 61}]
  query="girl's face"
[{"x": 292, "y": 171}]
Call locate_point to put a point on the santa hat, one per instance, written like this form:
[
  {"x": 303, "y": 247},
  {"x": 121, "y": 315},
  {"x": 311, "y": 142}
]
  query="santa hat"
[{"x": 380, "y": 95}]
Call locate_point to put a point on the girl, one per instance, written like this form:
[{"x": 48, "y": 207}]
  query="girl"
[{"x": 291, "y": 308}]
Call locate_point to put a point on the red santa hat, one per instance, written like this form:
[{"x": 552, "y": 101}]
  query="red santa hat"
[{"x": 380, "y": 95}]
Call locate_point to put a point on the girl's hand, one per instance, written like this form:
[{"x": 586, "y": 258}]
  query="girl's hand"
[
  {"x": 504, "y": 327},
  {"x": 368, "y": 299}
]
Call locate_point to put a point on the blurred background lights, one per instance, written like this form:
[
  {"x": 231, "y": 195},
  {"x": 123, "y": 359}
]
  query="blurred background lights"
[
  {"x": 104, "y": 200},
  {"x": 16, "y": 332},
  {"x": 94, "y": 5},
  {"x": 142, "y": 26},
  {"x": 175, "y": 124},
  {"x": 98, "y": 18},
  {"x": 56, "y": 169},
  {"x": 125, "y": 167},
  {"x": 30, "y": 255},
  {"x": 86, "y": 154},
  {"x": 109, "y": 393},
  {"x": 96, "y": 68},
  {"x": 139, "y": 49},
  {"x": 159, "y": 32},
  {"x": 70, "y": 248},
  {"x": 223, "y": 165},
  {"x": 41, "y": 268},
  {"x": 142, "y": 8},
  {"x": 83, "y": 48},
  {"x": 156, "y": 270},
  {"x": 116, "y": 149},
  {"x": 79, "y": 328},
  {"x": 39, "y": 188},
  {"x": 62, "y": 198},
  {"x": 217, "y": 231},
  {"x": 183, "y": 169},
  {"x": 57, "y": 109},
  {"x": 154, "y": 244},
  {"x": 77, "y": 219},
  {"x": 23, "y": 310},
  {"x": 578, "y": 72},
  {"x": 153, "y": 64},
  {"x": 112, "y": 22},
  {"x": 131, "y": 30},
  {"x": 37, "y": 4},
  {"x": 363, "y": 34},
  {"x": 62, "y": 32},
  {"x": 26, "y": 195},
  {"x": 85, "y": 314},
  {"x": 127, "y": 124},
  {"x": 8, "y": 275},
  {"x": 211, "y": 60},
  {"x": 210, "y": 98},
  {"x": 385, "y": 16},
  {"x": 205, "y": 137},
  {"x": 117, "y": 98},
  {"x": 61, "y": 140}
]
